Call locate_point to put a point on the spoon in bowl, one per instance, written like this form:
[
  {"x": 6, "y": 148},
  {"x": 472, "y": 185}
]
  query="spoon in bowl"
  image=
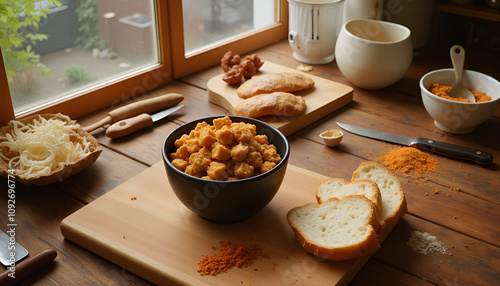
[{"x": 457, "y": 54}]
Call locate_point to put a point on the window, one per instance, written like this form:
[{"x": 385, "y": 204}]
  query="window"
[
  {"x": 75, "y": 47},
  {"x": 217, "y": 26},
  {"x": 103, "y": 51}
]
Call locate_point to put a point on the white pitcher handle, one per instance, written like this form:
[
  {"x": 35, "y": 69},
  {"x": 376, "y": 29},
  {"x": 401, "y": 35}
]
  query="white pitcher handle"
[{"x": 292, "y": 38}]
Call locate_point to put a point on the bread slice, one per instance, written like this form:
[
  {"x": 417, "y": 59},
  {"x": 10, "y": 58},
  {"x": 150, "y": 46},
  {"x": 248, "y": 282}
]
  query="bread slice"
[
  {"x": 336, "y": 229},
  {"x": 393, "y": 199},
  {"x": 269, "y": 83},
  {"x": 340, "y": 188}
]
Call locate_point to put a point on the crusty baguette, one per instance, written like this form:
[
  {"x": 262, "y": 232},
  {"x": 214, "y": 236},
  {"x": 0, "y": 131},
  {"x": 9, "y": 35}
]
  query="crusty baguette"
[
  {"x": 336, "y": 229},
  {"x": 393, "y": 199},
  {"x": 269, "y": 83},
  {"x": 276, "y": 103},
  {"x": 340, "y": 188}
]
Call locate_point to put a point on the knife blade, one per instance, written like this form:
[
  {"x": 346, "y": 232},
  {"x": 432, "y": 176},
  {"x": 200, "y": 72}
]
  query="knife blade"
[
  {"x": 447, "y": 149},
  {"x": 10, "y": 250},
  {"x": 130, "y": 125}
]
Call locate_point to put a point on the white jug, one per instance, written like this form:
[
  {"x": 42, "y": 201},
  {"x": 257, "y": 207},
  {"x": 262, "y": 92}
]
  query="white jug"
[{"x": 313, "y": 28}]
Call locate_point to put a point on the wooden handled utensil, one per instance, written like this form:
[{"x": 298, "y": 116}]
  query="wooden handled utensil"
[
  {"x": 130, "y": 125},
  {"x": 27, "y": 267},
  {"x": 144, "y": 106}
]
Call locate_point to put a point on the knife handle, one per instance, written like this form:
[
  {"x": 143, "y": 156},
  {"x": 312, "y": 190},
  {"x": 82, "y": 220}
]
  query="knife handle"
[
  {"x": 129, "y": 126},
  {"x": 452, "y": 150},
  {"x": 146, "y": 106},
  {"x": 28, "y": 266}
]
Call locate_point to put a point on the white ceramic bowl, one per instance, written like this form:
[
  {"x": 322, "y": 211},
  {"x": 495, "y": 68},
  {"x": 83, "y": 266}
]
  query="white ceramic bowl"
[
  {"x": 332, "y": 137},
  {"x": 373, "y": 54},
  {"x": 459, "y": 117}
]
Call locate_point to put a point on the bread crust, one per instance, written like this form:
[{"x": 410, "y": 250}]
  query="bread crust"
[
  {"x": 370, "y": 243},
  {"x": 276, "y": 103},
  {"x": 269, "y": 83},
  {"x": 63, "y": 173},
  {"x": 391, "y": 219}
]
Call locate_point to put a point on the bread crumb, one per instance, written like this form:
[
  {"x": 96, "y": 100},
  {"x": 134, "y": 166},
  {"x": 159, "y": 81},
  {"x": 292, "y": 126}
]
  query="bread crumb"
[
  {"x": 133, "y": 198},
  {"x": 410, "y": 161},
  {"x": 230, "y": 255},
  {"x": 424, "y": 243},
  {"x": 304, "y": 68}
]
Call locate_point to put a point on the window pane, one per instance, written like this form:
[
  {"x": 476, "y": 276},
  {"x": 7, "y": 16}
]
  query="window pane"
[
  {"x": 209, "y": 22},
  {"x": 53, "y": 50}
]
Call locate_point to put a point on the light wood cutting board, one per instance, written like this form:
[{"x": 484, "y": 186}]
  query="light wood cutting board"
[
  {"x": 157, "y": 238},
  {"x": 325, "y": 97}
]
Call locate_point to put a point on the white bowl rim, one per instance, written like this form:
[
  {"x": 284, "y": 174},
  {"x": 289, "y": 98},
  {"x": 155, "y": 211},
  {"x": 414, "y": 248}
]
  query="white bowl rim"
[
  {"x": 422, "y": 87},
  {"x": 386, "y": 23},
  {"x": 322, "y": 134}
]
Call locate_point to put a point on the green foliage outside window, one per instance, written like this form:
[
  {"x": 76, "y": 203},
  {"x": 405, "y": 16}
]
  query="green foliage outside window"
[
  {"x": 17, "y": 19},
  {"x": 75, "y": 75},
  {"x": 90, "y": 32}
]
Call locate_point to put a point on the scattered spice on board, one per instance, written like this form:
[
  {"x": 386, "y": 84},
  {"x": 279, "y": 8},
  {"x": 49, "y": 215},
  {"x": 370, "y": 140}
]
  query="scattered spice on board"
[
  {"x": 230, "y": 255},
  {"x": 425, "y": 243},
  {"x": 443, "y": 91},
  {"x": 410, "y": 161}
]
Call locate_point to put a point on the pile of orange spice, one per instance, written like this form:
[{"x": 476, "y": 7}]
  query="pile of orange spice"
[
  {"x": 410, "y": 161},
  {"x": 230, "y": 255},
  {"x": 443, "y": 91}
]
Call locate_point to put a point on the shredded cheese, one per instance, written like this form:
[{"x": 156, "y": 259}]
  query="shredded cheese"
[{"x": 42, "y": 147}]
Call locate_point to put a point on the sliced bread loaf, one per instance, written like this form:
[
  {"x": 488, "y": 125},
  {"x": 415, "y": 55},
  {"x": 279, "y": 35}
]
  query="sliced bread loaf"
[
  {"x": 393, "y": 198},
  {"x": 340, "y": 188},
  {"x": 336, "y": 229}
]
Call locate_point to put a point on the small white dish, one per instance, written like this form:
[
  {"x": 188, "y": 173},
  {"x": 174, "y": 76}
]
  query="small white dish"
[{"x": 332, "y": 137}]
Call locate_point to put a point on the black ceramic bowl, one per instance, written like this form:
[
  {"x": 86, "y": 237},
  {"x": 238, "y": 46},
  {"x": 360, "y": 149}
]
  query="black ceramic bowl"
[{"x": 227, "y": 201}]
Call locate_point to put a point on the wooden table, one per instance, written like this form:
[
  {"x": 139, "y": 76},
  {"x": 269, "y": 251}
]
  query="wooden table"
[{"x": 467, "y": 221}]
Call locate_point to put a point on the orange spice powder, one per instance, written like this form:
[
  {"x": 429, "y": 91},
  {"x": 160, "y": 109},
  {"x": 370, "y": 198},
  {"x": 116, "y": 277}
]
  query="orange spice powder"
[
  {"x": 230, "y": 255},
  {"x": 443, "y": 91},
  {"x": 410, "y": 161}
]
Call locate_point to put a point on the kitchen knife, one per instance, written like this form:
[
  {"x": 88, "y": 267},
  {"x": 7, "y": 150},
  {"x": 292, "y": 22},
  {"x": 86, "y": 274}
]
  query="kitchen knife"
[
  {"x": 27, "y": 267},
  {"x": 130, "y": 125},
  {"x": 143, "y": 106},
  {"x": 477, "y": 156},
  {"x": 8, "y": 247}
]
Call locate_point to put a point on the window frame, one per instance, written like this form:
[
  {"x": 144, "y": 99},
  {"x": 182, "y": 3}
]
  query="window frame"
[
  {"x": 173, "y": 65},
  {"x": 182, "y": 65}
]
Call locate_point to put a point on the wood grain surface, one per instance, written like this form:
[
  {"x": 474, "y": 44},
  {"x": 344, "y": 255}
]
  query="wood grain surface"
[{"x": 142, "y": 226}]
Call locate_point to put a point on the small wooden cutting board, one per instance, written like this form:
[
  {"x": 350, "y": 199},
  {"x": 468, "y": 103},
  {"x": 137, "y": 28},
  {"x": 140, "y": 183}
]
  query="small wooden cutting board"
[
  {"x": 143, "y": 227},
  {"x": 324, "y": 98}
]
